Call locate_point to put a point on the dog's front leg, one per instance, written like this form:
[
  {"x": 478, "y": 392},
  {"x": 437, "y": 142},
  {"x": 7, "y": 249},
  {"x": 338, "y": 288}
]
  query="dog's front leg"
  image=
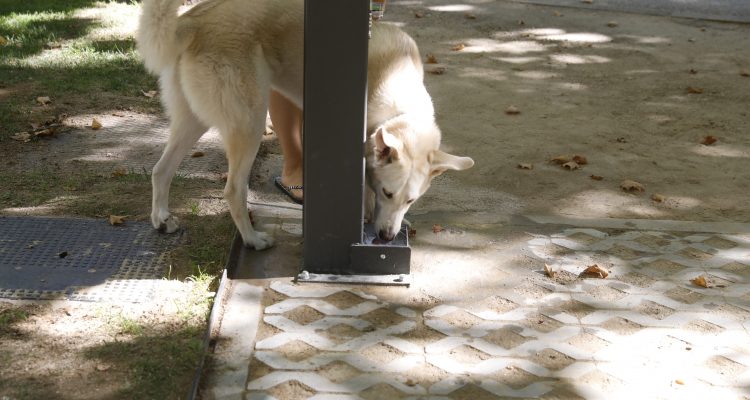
[{"x": 369, "y": 204}]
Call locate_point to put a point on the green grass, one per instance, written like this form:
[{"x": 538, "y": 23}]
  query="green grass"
[
  {"x": 80, "y": 54},
  {"x": 10, "y": 317}
]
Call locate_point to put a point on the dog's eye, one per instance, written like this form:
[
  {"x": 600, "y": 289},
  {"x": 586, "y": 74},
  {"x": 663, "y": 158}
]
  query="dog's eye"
[{"x": 387, "y": 194}]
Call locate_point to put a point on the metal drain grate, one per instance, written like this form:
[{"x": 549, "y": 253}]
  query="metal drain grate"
[{"x": 80, "y": 259}]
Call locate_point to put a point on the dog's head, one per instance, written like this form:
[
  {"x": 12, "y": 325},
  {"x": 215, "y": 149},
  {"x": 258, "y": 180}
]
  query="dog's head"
[{"x": 402, "y": 159}]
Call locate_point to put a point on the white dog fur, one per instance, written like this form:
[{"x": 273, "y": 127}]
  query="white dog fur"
[{"x": 219, "y": 61}]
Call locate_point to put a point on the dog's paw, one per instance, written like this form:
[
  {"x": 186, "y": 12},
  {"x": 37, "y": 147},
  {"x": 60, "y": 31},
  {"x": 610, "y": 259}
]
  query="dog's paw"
[
  {"x": 168, "y": 225},
  {"x": 260, "y": 241}
]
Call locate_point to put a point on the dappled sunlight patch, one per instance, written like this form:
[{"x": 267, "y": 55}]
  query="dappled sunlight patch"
[
  {"x": 453, "y": 8},
  {"x": 646, "y": 39},
  {"x": 571, "y": 86},
  {"x": 734, "y": 151},
  {"x": 607, "y": 204},
  {"x": 518, "y": 60},
  {"x": 578, "y": 59},
  {"x": 494, "y": 46},
  {"x": 580, "y": 37},
  {"x": 536, "y": 75},
  {"x": 117, "y": 19}
]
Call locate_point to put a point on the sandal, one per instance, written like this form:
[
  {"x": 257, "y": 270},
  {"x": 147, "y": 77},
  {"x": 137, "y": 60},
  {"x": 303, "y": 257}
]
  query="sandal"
[{"x": 287, "y": 190}]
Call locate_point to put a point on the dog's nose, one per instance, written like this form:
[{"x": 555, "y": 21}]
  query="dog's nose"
[{"x": 384, "y": 235}]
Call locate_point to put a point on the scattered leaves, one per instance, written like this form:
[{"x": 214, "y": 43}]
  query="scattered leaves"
[
  {"x": 525, "y": 166},
  {"x": 470, "y": 16},
  {"x": 694, "y": 90},
  {"x": 595, "y": 271},
  {"x": 198, "y": 154},
  {"x": 512, "y": 110},
  {"x": 659, "y": 198},
  {"x": 458, "y": 47},
  {"x": 700, "y": 281},
  {"x": 596, "y": 177},
  {"x": 709, "y": 140},
  {"x": 571, "y": 165},
  {"x": 95, "y": 124},
  {"x": 436, "y": 70},
  {"x": 437, "y": 228},
  {"x": 580, "y": 160},
  {"x": 418, "y": 14},
  {"x": 412, "y": 233},
  {"x": 612, "y": 24},
  {"x": 693, "y": 71},
  {"x": 119, "y": 171},
  {"x": 103, "y": 367},
  {"x": 679, "y": 381},
  {"x": 116, "y": 219},
  {"x": 521, "y": 22},
  {"x": 587, "y": 1},
  {"x": 150, "y": 94},
  {"x": 431, "y": 59},
  {"x": 621, "y": 140},
  {"x": 557, "y": 14},
  {"x": 631, "y": 186},
  {"x": 43, "y": 100},
  {"x": 560, "y": 159},
  {"x": 745, "y": 73},
  {"x": 548, "y": 270}
]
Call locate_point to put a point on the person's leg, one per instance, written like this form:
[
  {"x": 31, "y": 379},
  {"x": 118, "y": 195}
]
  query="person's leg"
[{"x": 287, "y": 123}]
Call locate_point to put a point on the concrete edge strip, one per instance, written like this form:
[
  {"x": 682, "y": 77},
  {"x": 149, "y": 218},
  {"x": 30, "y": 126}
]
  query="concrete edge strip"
[{"x": 645, "y": 224}]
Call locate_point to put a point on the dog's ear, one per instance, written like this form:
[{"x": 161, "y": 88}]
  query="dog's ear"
[
  {"x": 386, "y": 145},
  {"x": 441, "y": 162}
]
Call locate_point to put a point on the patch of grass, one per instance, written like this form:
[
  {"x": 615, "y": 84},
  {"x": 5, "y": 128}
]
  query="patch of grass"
[
  {"x": 11, "y": 316},
  {"x": 159, "y": 365}
]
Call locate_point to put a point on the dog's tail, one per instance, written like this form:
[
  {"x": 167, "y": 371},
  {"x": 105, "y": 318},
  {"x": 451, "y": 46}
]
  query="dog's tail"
[{"x": 157, "y": 38}]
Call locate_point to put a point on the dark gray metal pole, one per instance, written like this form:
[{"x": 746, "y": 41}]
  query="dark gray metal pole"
[{"x": 335, "y": 98}]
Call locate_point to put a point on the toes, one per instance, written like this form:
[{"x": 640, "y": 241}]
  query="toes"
[
  {"x": 261, "y": 241},
  {"x": 169, "y": 225}
]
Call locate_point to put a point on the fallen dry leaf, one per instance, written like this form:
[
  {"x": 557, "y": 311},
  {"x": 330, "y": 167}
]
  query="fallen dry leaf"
[
  {"x": 470, "y": 16},
  {"x": 437, "y": 228},
  {"x": 631, "y": 186},
  {"x": 412, "y": 233},
  {"x": 458, "y": 47},
  {"x": 694, "y": 90},
  {"x": 548, "y": 270},
  {"x": 95, "y": 124},
  {"x": 198, "y": 154},
  {"x": 525, "y": 166},
  {"x": 436, "y": 70},
  {"x": 693, "y": 71},
  {"x": 571, "y": 165},
  {"x": 116, "y": 219},
  {"x": 595, "y": 271},
  {"x": 700, "y": 281},
  {"x": 596, "y": 177},
  {"x": 103, "y": 367},
  {"x": 3, "y": 41},
  {"x": 43, "y": 100},
  {"x": 150, "y": 94},
  {"x": 418, "y": 14},
  {"x": 580, "y": 160},
  {"x": 119, "y": 171},
  {"x": 560, "y": 159},
  {"x": 22, "y": 137},
  {"x": 557, "y": 14},
  {"x": 431, "y": 59},
  {"x": 659, "y": 198},
  {"x": 512, "y": 110},
  {"x": 521, "y": 22},
  {"x": 709, "y": 140},
  {"x": 612, "y": 24},
  {"x": 679, "y": 381},
  {"x": 745, "y": 73}
]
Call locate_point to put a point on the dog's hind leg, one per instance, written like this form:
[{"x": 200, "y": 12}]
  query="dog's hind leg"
[
  {"x": 185, "y": 129},
  {"x": 242, "y": 143}
]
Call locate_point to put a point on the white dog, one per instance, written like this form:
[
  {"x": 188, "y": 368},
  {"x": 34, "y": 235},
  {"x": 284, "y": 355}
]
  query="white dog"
[{"x": 217, "y": 64}]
